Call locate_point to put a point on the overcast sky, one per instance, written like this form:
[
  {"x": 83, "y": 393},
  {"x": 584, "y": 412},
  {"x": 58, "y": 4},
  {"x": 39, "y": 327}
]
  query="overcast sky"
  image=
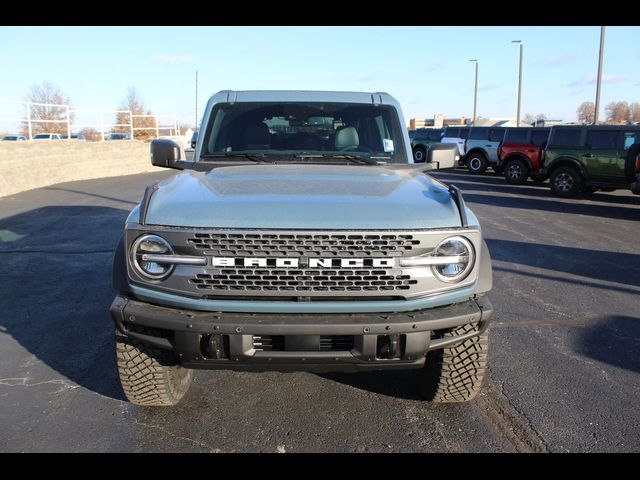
[{"x": 426, "y": 68}]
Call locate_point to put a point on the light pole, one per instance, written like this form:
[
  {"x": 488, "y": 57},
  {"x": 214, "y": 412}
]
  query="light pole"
[
  {"x": 597, "y": 106},
  {"x": 519, "y": 81},
  {"x": 196, "y": 100},
  {"x": 475, "y": 92}
]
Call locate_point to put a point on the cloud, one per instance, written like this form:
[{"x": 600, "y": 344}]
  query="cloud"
[
  {"x": 434, "y": 66},
  {"x": 555, "y": 59},
  {"x": 486, "y": 88},
  {"x": 370, "y": 77},
  {"x": 590, "y": 79},
  {"x": 174, "y": 59}
]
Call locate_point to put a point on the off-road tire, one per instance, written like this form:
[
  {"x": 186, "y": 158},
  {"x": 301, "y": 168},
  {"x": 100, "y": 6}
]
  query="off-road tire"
[
  {"x": 566, "y": 182},
  {"x": 419, "y": 155},
  {"x": 150, "y": 376},
  {"x": 516, "y": 172},
  {"x": 477, "y": 163},
  {"x": 455, "y": 374}
]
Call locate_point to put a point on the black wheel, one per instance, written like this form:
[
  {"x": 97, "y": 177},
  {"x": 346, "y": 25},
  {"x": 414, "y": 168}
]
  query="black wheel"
[
  {"x": 476, "y": 163},
  {"x": 516, "y": 172},
  {"x": 419, "y": 155},
  {"x": 150, "y": 376},
  {"x": 455, "y": 374},
  {"x": 566, "y": 182}
]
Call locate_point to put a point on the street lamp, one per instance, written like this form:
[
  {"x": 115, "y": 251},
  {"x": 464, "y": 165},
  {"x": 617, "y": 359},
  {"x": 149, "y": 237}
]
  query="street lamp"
[
  {"x": 597, "y": 106},
  {"x": 475, "y": 91},
  {"x": 519, "y": 81}
]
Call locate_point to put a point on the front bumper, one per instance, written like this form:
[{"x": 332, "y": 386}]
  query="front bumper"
[{"x": 191, "y": 334}]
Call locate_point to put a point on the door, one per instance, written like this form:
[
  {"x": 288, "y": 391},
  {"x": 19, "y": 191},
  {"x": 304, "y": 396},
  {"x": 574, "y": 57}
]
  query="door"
[{"x": 602, "y": 157}]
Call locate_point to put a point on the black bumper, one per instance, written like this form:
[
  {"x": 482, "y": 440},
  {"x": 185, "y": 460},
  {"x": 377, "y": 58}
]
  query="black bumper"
[{"x": 226, "y": 340}]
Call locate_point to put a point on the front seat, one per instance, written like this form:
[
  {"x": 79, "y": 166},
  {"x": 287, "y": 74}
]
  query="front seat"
[
  {"x": 346, "y": 137},
  {"x": 257, "y": 137}
]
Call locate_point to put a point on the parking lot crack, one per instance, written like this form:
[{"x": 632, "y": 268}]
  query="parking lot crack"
[{"x": 179, "y": 437}]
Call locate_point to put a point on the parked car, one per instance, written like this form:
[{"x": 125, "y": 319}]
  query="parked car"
[
  {"x": 194, "y": 139},
  {"x": 342, "y": 257},
  {"x": 75, "y": 136},
  {"x": 421, "y": 139},
  {"x": 520, "y": 154},
  {"x": 587, "y": 158},
  {"x": 14, "y": 138},
  {"x": 119, "y": 136},
  {"x": 457, "y": 135},
  {"x": 47, "y": 136},
  {"x": 481, "y": 149}
]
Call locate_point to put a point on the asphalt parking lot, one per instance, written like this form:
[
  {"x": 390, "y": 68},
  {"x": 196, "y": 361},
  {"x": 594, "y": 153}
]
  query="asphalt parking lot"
[{"x": 564, "y": 359}]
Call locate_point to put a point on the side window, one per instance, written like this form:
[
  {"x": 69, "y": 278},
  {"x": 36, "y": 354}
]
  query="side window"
[
  {"x": 630, "y": 138},
  {"x": 479, "y": 134},
  {"x": 567, "y": 137},
  {"x": 516, "y": 136},
  {"x": 538, "y": 138},
  {"x": 496, "y": 134},
  {"x": 452, "y": 132},
  {"x": 435, "y": 135},
  {"x": 602, "y": 139},
  {"x": 420, "y": 135}
]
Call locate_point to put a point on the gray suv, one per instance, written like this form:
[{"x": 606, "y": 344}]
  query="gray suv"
[
  {"x": 482, "y": 149},
  {"x": 301, "y": 236}
]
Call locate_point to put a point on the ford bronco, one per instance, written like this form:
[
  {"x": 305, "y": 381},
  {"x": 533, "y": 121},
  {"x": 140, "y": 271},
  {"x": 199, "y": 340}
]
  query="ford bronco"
[{"x": 301, "y": 236}]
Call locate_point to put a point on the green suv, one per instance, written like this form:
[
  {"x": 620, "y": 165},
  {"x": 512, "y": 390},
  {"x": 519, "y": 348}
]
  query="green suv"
[
  {"x": 585, "y": 158},
  {"x": 421, "y": 139}
]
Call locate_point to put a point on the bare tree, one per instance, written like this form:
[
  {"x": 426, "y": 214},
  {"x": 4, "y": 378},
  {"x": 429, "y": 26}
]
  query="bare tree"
[
  {"x": 586, "y": 112},
  {"x": 133, "y": 103},
  {"x": 634, "y": 112},
  {"x": 528, "y": 118},
  {"x": 617, "y": 112},
  {"x": 91, "y": 134},
  {"x": 42, "y": 116},
  {"x": 183, "y": 127}
]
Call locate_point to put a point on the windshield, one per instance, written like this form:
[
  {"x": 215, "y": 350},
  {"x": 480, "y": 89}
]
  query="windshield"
[{"x": 289, "y": 129}]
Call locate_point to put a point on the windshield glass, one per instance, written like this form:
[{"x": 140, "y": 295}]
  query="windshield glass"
[{"x": 287, "y": 129}]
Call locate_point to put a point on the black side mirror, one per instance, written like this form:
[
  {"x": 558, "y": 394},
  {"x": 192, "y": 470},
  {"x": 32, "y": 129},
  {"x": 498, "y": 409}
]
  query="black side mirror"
[{"x": 165, "y": 153}]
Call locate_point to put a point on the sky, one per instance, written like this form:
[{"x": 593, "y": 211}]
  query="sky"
[{"x": 426, "y": 68}]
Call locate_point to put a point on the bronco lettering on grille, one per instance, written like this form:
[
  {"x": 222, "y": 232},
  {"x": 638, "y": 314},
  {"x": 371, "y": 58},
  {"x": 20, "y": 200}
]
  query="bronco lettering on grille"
[{"x": 297, "y": 262}]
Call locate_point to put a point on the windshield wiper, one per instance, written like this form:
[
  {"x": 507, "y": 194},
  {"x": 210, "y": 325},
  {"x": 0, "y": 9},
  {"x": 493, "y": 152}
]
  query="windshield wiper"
[
  {"x": 255, "y": 157},
  {"x": 353, "y": 158}
]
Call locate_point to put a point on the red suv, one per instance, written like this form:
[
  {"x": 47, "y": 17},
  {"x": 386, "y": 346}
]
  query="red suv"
[{"x": 521, "y": 153}]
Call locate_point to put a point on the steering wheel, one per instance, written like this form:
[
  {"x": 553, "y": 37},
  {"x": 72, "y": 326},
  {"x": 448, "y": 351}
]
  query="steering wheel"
[{"x": 356, "y": 148}]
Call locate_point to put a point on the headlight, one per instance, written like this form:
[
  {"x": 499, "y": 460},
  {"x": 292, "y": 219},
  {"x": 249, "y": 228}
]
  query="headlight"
[
  {"x": 455, "y": 257},
  {"x": 154, "y": 246}
]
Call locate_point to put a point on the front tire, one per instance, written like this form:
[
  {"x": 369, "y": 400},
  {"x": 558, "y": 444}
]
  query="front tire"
[
  {"x": 419, "y": 155},
  {"x": 477, "y": 163},
  {"x": 455, "y": 374},
  {"x": 516, "y": 172},
  {"x": 566, "y": 182},
  {"x": 150, "y": 376}
]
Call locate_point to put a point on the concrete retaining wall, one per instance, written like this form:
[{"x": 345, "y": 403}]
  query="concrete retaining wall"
[{"x": 38, "y": 163}]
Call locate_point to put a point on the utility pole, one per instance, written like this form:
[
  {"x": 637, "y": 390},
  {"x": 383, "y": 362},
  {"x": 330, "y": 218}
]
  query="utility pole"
[
  {"x": 475, "y": 92},
  {"x": 519, "y": 82},
  {"x": 196, "y": 99},
  {"x": 597, "y": 107}
]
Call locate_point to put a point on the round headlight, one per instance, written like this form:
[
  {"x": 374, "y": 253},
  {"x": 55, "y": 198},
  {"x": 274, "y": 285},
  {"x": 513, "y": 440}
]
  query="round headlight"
[
  {"x": 461, "y": 254},
  {"x": 153, "y": 245}
]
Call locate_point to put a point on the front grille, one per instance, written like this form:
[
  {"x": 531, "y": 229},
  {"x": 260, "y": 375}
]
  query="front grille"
[
  {"x": 297, "y": 245},
  {"x": 256, "y": 279},
  {"x": 328, "y": 343}
]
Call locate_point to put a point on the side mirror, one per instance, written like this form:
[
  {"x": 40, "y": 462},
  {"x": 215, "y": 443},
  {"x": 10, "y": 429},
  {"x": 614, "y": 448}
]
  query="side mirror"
[
  {"x": 443, "y": 155},
  {"x": 165, "y": 153}
]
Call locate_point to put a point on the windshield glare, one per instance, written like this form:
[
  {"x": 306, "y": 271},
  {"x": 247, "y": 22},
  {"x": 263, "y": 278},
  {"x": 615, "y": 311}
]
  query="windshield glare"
[{"x": 287, "y": 129}]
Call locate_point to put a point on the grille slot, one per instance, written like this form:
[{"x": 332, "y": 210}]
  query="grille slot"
[
  {"x": 328, "y": 343},
  {"x": 292, "y": 245},
  {"x": 250, "y": 279}
]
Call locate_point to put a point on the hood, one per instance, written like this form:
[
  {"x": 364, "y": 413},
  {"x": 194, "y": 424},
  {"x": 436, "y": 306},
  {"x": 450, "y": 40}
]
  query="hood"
[{"x": 303, "y": 197}]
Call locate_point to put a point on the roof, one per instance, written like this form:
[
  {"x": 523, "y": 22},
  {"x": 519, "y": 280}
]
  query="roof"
[{"x": 306, "y": 95}]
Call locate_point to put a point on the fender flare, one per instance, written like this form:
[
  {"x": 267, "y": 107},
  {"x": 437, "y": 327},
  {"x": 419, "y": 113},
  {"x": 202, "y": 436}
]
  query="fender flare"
[{"x": 485, "y": 274}]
